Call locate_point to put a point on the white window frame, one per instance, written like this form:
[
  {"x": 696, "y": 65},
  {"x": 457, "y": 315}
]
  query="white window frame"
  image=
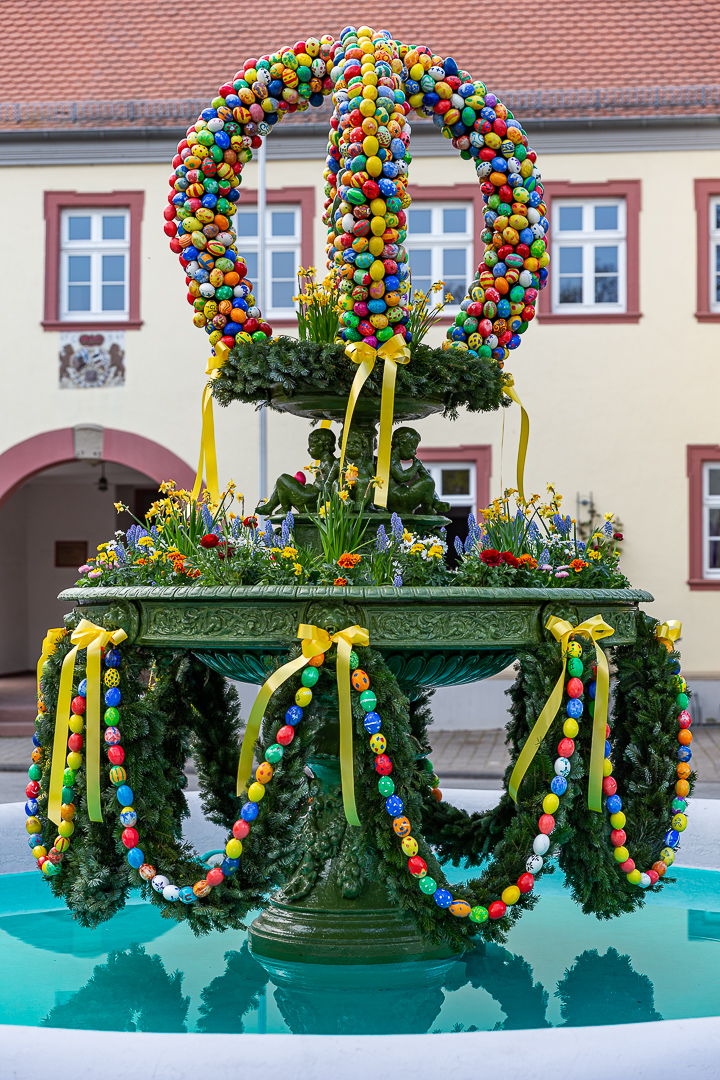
[
  {"x": 437, "y": 240},
  {"x": 292, "y": 244},
  {"x": 588, "y": 238},
  {"x": 435, "y": 468},
  {"x": 714, "y": 248},
  {"x": 95, "y": 248},
  {"x": 710, "y": 502}
]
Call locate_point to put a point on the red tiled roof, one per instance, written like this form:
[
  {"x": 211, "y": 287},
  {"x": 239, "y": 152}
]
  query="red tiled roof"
[{"x": 83, "y": 51}]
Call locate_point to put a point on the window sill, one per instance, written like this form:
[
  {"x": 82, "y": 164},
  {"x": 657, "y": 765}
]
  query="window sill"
[
  {"x": 707, "y": 316},
  {"x": 590, "y": 317},
  {"x": 91, "y": 324},
  {"x": 704, "y": 584}
]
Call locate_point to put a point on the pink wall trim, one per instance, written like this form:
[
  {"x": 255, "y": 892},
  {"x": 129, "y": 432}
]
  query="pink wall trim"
[
  {"x": 34, "y": 455},
  {"x": 480, "y": 455},
  {"x": 705, "y": 190}
]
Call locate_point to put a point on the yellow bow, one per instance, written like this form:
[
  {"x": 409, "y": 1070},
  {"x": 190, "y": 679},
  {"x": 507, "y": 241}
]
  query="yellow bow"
[
  {"x": 669, "y": 632},
  {"x": 393, "y": 352},
  {"x": 208, "y": 452},
  {"x": 93, "y": 638},
  {"x": 595, "y": 629},
  {"x": 315, "y": 641},
  {"x": 49, "y": 646},
  {"x": 508, "y": 388}
]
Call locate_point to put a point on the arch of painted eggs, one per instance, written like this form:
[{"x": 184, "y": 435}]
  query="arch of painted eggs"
[{"x": 375, "y": 82}]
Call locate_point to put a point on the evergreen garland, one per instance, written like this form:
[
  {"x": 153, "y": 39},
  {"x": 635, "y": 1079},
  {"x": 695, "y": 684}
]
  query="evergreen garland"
[{"x": 283, "y": 366}]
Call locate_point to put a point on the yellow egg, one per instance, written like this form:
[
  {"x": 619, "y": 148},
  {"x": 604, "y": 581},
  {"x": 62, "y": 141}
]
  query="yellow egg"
[
  {"x": 38, "y": 851},
  {"x": 233, "y": 849},
  {"x": 377, "y": 271},
  {"x": 377, "y": 228},
  {"x": 74, "y": 760},
  {"x": 607, "y": 767},
  {"x": 634, "y": 877},
  {"x": 570, "y": 728},
  {"x": 378, "y": 208},
  {"x": 367, "y": 106},
  {"x": 66, "y": 828},
  {"x": 370, "y": 145},
  {"x": 410, "y": 846},
  {"x": 376, "y": 245},
  {"x": 550, "y": 803},
  {"x": 76, "y": 724},
  {"x": 618, "y": 820},
  {"x": 303, "y": 696},
  {"x": 574, "y": 648},
  {"x": 373, "y": 166},
  {"x": 33, "y": 825},
  {"x": 511, "y": 895},
  {"x": 256, "y": 792},
  {"x": 621, "y": 854}
]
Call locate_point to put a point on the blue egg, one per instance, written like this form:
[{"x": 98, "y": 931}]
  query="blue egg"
[
  {"x": 394, "y": 806},
  {"x": 684, "y": 753},
  {"x": 31, "y": 807},
  {"x": 186, "y": 895},
  {"x": 229, "y": 867},
  {"x": 442, "y": 898},
  {"x": 222, "y": 139},
  {"x": 249, "y": 811},
  {"x": 82, "y": 688},
  {"x": 387, "y": 187},
  {"x": 526, "y": 236},
  {"x": 376, "y": 306},
  {"x": 499, "y": 269},
  {"x": 128, "y": 817},
  {"x": 559, "y": 785},
  {"x": 392, "y": 283},
  {"x": 135, "y": 857},
  {"x": 209, "y": 201},
  {"x": 113, "y": 696},
  {"x": 608, "y": 749},
  {"x": 592, "y": 687},
  {"x": 125, "y": 795},
  {"x": 112, "y": 658},
  {"x": 390, "y": 169},
  {"x": 614, "y": 804},
  {"x": 373, "y": 723},
  {"x": 33, "y": 839},
  {"x": 208, "y": 114},
  {"x": 294, "y": 715},
  {"x": 36, "y": 739},
  {"x": 574, "y": 708},
  {"x": 672, "y": 838},
  {"x": 503, "y": 309}
]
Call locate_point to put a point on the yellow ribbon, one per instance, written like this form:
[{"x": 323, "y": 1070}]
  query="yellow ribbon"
[
  {"x": 94, "y": 639},
  {"x": 668, "y": 632},
  {"x": 508, "y": 389},
  {"x": 49, "y": 646},
  {"x": 315, "y": 641},
  {"x": 595, "y": 629},
  {"x": 393, "y": 352},
  {"x": 208, "y": 452}
]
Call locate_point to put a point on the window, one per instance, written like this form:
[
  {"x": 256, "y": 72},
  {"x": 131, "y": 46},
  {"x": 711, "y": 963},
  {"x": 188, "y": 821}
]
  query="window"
[
  {"x": 92, "y": 260},
  {"x": 711, "y": 520},
  {"x": 589, "y": 255},
  {"x": 440, "y": 247},
  {"x": 715, "y": 255},
  {"x": 94, "y": 264},
  {"x": 703, "y": 469},
  {"x": 455, "y": 483},
  {"x": 282, "y": 242}
]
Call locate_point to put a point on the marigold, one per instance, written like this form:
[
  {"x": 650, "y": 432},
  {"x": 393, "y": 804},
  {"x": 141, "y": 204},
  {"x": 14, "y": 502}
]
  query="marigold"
[
  {"x": 578, "y": 564},
  {"x": 417, "y": 549},
  {"x": 297, "y": 568},
  {"x": 527, "y": 562},
  {"x": 348, "y": 560},
  {"x": 289, "y": 552},
  {"x": 340, "y": 581},
  {"x": 435, "y": 552},
  {"x": 146, "y": 541}
]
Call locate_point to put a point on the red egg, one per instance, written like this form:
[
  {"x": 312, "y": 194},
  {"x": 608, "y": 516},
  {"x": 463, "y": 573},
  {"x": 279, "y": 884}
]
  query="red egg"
[
  {"x": 383, "y": 765},
  {"x": 575, "y": 688},
  {"x": 77, "y": 705},
  {"x": 285, "y": 735},
  {"x": 684, "y": 719},
  {"x": 627, "y": 866},
  {"x": 525, "y": 883},
  {"x": 241, "y": 829},
  {"x": 618, "y": 837},
  {"x": 215, "y": 876},
  {"x": 116, "y": 755},
  {"x": 609, "y": 785},
  {"x": 75, "y": 742},
  {"x": 566, "y": 748},
  {"x": 653, "y": 875},
  {"x": 546, "y": 824},
  {"x": 33, "y": 789},
  {"x": 417, "y": 866},
  {"x": 130, "y": 838},
  {"x": 497, "y": 909}
]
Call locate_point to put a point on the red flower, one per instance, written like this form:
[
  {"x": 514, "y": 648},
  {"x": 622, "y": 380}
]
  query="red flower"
[
  {"x": 224, "y": 549},
  {"x": 491, "y": 557},
  {"x": 340, "y": 581},
  {"x": 210, "y": 540},
  {"x": 617, "y": 536},
  {"x": 250, "y": 522},
  {"x": 509, "y": 559}
]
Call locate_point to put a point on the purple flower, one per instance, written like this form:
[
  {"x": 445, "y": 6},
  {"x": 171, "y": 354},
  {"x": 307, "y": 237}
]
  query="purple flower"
[
  {"x": 382, "y": 543},
  {"x": 562, "y": 573},
  {"x": 397, "y": 580}
]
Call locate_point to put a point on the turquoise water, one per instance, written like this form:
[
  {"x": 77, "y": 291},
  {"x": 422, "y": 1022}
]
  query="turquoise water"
[{"x": 559, "y": 967}]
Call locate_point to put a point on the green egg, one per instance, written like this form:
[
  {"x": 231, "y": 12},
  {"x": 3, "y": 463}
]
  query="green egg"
[
  {"x": 386, "y": 786},
  {"x": 575, "y": 666},
  {"x": 428, "y": 885},
  {"x": 274, "y": 753},
  {"x": 310, "y": 676},
  {"x": 354, "y": 660}
]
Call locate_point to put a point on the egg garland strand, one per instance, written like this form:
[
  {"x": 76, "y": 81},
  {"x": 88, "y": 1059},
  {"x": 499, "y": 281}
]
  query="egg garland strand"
[
  {"x": 376, "y": 83},
  {"x": 402, "y": 826},
  {"x": 678, "y": 806}
]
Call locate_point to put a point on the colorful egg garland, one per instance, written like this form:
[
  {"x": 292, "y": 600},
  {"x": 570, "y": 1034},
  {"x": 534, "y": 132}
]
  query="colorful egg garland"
[
  {"x": 49, "y": 862},
  {"x": 678, "y": 806},
  {"x": 375, "y": 83}
]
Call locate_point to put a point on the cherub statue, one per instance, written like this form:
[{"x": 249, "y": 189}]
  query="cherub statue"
[
  {"x": 358, "y": 453},
  {"x": 412, "y": 488},
  {"x": 290, "y": 492}
]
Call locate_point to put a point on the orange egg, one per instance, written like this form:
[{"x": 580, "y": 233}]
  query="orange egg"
[
  {"x": 683, "y": 770},
  {"x": 232, "y": 278},
  {"x": 682, "y": 788},
  {"x": 685, "y": 737}
]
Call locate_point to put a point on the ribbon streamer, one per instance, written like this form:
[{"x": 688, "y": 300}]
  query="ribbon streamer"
[
  {"x": 595, "y": 629},
  {"x": 393, "y": 352},
  {"x": 49, "y": 645},
  {"x": 94, "y": 639},
  {"x": 208, "y": 452},
  {"x": 668, "y": 633},
  {"x": 315, "y": 641},
  {"x": 508, "y": 389}
]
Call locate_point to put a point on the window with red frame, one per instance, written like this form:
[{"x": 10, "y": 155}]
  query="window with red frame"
[{"x": 703, "y": 468}]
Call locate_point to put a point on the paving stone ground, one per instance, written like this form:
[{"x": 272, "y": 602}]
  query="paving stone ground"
[{"x": 462, "y": 759}]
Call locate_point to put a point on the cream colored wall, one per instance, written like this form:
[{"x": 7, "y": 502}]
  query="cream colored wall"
[{"x": 612, "y": 407}]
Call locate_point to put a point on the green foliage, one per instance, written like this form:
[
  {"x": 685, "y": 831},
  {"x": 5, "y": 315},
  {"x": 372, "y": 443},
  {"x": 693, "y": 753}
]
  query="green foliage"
[{"x": 286, "y": 367}]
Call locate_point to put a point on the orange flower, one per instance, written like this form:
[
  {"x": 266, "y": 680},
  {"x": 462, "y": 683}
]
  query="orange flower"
[
  {"x": 577, "y": 565},
  {"x": 340, "y": 581},
  {"x": 347, "y": 561},
  {"x": 527, "y": 561},
  {"x": 193, "y": 573}
]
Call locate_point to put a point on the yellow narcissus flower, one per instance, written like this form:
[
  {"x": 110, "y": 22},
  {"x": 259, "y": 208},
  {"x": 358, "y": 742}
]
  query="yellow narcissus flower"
[
  {"x": 407, "y": 536},
  {"x": 120, "y": 507},
  {"x": 297, "y": 568},
  {"x": 343, "y": 494}
]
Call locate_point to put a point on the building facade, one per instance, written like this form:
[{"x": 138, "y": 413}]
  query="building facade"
[{"x": 102, "y": 370}]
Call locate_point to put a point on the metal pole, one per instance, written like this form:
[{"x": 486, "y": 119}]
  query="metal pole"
[{"x": 262, "y": 301}]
